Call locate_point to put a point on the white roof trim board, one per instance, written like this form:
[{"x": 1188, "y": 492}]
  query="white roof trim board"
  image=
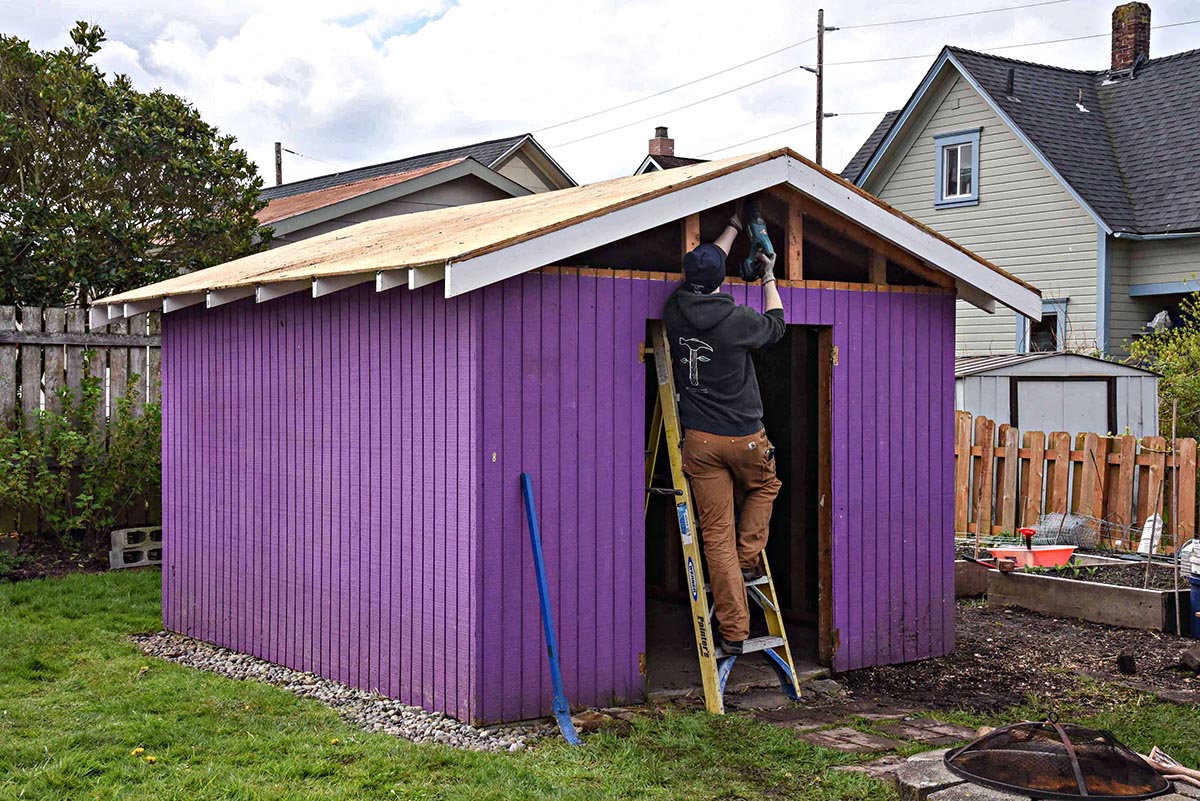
[{"x": 606, "y": 212}]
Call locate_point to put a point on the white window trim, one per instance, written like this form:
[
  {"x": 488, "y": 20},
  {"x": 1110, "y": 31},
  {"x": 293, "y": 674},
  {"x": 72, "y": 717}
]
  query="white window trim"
[
  {"x": 1055, "y": 306},
  {"x": 954, "y": 139}
]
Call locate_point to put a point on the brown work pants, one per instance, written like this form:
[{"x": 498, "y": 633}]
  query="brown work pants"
[{"x": 718, "y": 468}]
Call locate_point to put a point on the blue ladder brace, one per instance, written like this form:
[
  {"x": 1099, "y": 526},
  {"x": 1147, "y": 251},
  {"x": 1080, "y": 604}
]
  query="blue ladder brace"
[{"x": 562, "y": 711}]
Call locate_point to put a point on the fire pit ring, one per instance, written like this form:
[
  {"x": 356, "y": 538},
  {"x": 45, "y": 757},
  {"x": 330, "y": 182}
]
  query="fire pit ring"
[{"x": 1049, "y": 760}]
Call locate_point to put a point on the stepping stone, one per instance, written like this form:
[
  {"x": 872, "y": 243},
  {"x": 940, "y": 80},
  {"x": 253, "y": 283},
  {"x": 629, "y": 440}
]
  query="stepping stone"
[
  {"x": 931, "y": 732},
  {"x": 883, "y": 768},
  {"x": 797, "y": 718},
  {"x": 849, "y": 740}
]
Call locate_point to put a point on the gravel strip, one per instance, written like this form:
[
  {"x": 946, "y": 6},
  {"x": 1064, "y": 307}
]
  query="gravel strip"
[{"x": 369, "y": 711}]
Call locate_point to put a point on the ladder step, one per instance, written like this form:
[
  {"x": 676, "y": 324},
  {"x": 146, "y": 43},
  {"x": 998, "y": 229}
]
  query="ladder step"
[
  {"x": 755, "y": 644},
  {"x": 758, "y": 582}
]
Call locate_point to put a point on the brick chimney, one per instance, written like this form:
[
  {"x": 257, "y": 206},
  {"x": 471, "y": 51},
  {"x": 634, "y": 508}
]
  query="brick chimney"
[
  {"x": 1130, "y": 35},
  {"x": 663, "y": 145}
]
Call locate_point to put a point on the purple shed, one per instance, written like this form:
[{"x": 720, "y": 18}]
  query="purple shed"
[{"x": 345, "y": 420}]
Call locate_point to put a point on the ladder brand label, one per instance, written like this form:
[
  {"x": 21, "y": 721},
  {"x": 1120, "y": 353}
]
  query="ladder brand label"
[
  {"x": 692, "y": 579},
  {"x": 684, "y": 530},
  {"x": 702, "y": 627}
]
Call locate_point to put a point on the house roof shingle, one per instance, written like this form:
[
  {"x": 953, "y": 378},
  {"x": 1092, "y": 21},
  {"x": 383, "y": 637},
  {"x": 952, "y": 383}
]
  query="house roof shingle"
[
  {"x": 484, "y": 152},
  {"x": 1133, "y": 155},
  {"x": 859, "y": 160}
]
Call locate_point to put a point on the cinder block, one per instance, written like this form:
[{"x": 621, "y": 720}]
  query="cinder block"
[
  {"x": 142, "y": 537},
  {"x": 136, "y": 547}
]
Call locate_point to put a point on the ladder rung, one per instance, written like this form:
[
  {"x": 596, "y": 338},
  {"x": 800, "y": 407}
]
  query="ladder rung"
[
  {"x": 755, "y": 644},
  {"x": 756, "y": 583}
]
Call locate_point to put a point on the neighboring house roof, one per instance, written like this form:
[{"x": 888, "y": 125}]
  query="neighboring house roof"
[
  {"x": 859, "y": 160},
  {"x": 1128, "y": 148},
  {"x": 977, "y": 365},
  {"x": 489, "y": 154},
  {"x": 473, "y": 246},
  {"x": 289, "y": 205},
  {"x": 664, "y": 163}
]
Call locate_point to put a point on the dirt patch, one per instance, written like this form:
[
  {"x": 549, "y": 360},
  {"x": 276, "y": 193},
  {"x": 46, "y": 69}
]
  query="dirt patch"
[
  {"x": 1007, "y": 657},
  {"x": 37, "y": 556},
  {"x": 1134, "y": 575}
]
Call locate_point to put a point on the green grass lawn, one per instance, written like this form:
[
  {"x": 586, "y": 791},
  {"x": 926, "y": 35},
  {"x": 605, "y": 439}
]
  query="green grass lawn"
[{"x": 75, "y": 702}]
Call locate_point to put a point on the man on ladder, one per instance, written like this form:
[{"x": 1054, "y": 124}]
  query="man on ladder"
[{"x": 725, "y": 448}]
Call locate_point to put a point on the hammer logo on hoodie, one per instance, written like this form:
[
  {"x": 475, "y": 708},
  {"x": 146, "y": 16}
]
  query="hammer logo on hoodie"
[{"x": 695, "y": 349}]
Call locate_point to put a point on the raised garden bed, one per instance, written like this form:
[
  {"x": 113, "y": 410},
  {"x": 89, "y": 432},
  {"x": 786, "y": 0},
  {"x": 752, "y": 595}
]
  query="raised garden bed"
[{"x": 1109, "y": 593}]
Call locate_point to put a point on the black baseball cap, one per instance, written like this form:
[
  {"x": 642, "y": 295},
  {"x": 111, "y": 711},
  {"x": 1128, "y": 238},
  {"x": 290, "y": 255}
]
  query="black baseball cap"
[{"x": 704, "y": 268}]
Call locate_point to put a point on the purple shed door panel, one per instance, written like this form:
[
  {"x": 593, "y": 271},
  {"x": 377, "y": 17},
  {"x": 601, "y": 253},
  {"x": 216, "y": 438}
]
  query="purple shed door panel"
[{"x": 321, "y": 475}]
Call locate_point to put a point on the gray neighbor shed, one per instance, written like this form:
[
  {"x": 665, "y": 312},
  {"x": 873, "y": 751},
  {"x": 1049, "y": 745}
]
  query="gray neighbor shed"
[{"x": 1057, "y": 391}]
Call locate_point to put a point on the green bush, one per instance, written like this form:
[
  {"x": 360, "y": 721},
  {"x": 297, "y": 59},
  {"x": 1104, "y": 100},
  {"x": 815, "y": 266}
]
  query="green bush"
[
  {"x": 67, "y": 477},
  {"x": 1175, "y": 354}
]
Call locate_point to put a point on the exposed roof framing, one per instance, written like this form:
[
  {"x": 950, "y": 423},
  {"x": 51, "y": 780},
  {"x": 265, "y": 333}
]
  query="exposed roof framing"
[{"x": 469, "y": 247}]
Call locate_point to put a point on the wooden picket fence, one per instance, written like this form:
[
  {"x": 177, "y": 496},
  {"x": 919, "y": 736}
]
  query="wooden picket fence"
[
  {"x": 1009, "y": 479},
  {"x": 42, "y": 352},
  {"x": 46, "y": 350}
]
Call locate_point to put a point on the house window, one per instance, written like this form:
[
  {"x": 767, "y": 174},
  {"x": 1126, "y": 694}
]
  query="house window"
[
  {"x": 957, "y": 169},
  {"x": 1048, "y": 334}
]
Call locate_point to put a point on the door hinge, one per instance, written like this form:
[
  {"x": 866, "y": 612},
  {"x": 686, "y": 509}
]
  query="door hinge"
[
  {"x": 642, "y": 664},
  {"x": 833, "y": 355},
  {"x": 641, "y": 353}
]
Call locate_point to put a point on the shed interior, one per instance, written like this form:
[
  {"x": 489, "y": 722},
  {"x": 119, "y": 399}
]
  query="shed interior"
[{"x": 818, "y": 247}]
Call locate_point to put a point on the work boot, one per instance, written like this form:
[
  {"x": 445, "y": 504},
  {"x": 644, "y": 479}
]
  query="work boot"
[
  {"x": 729, "y": 647},
  {"x": 750, "y": 574}
]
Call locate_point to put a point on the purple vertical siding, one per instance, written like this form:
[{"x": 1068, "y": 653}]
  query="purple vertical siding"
[
  {"x": 341, "y": 493},
  {"x": 301, "y": 494}
]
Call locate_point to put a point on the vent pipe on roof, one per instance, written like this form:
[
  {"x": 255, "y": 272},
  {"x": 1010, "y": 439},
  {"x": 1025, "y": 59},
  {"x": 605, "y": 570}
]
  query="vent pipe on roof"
[
  {"x": 661, "y": 144},
  {"x": 1008, "y": 85},
  {"x": 1130, "y": 35}
]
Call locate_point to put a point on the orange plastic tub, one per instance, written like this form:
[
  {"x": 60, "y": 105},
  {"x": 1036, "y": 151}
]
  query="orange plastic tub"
[{"x": 1038, "y": 556}]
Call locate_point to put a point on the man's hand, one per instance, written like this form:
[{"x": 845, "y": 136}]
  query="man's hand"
[
  {"x": 736, "y": 220},
  {"x": 768, "y": 266}
]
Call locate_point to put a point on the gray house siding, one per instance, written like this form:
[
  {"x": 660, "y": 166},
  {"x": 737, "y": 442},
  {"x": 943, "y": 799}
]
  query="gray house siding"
[
  {"x": 1025, "y": 221},
  {"x": 1138, "y": 266},
  {"x": 520, "y": 168}
]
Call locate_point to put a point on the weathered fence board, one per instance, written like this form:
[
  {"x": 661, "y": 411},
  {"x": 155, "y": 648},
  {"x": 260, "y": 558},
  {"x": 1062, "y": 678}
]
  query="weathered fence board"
[
  {"x": 1008, "y": 479},
  {"x": 46, "y": 351},
  {"x": 45, "y": 355}
]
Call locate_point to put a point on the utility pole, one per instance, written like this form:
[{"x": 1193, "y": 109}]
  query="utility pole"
[
  {"x": 279, "y": 161},
  {"x": 820, "y": 81}
]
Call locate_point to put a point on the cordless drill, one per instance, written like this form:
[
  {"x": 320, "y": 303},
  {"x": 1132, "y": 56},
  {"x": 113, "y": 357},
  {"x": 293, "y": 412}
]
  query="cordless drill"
[{"x": 756, "y": 227}]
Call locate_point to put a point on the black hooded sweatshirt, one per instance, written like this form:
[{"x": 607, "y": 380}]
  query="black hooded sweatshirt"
[{"x": 711, "y": 340}]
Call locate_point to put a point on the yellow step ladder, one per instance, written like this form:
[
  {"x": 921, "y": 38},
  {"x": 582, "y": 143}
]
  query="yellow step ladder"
[{"x": 715, "y": 665}]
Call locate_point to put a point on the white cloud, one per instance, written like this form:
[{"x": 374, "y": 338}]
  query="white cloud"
[{"x": 362, "y": 81}]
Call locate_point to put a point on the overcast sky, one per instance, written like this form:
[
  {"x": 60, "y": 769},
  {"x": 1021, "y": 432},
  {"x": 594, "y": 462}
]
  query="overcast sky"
[{"x": 361, "y": 81}]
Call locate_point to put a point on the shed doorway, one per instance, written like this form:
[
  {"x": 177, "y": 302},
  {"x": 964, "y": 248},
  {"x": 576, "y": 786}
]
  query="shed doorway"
[{"x": 793, "y": 377}]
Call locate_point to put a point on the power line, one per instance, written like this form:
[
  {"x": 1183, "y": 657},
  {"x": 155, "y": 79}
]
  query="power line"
[
  {"x": 680, "y": 108},
  {"x": 311, "y": 158},
  {"x": 682, "y": 85},
  {"x": 999, "y": 47},
  {"x": 950, "y": 16},
  {"x": 789, "y": 130},
  {"x": 759, "y": 138},
  {"x": 784, "y": 49},
  {"x": 845, "y": 63}
]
